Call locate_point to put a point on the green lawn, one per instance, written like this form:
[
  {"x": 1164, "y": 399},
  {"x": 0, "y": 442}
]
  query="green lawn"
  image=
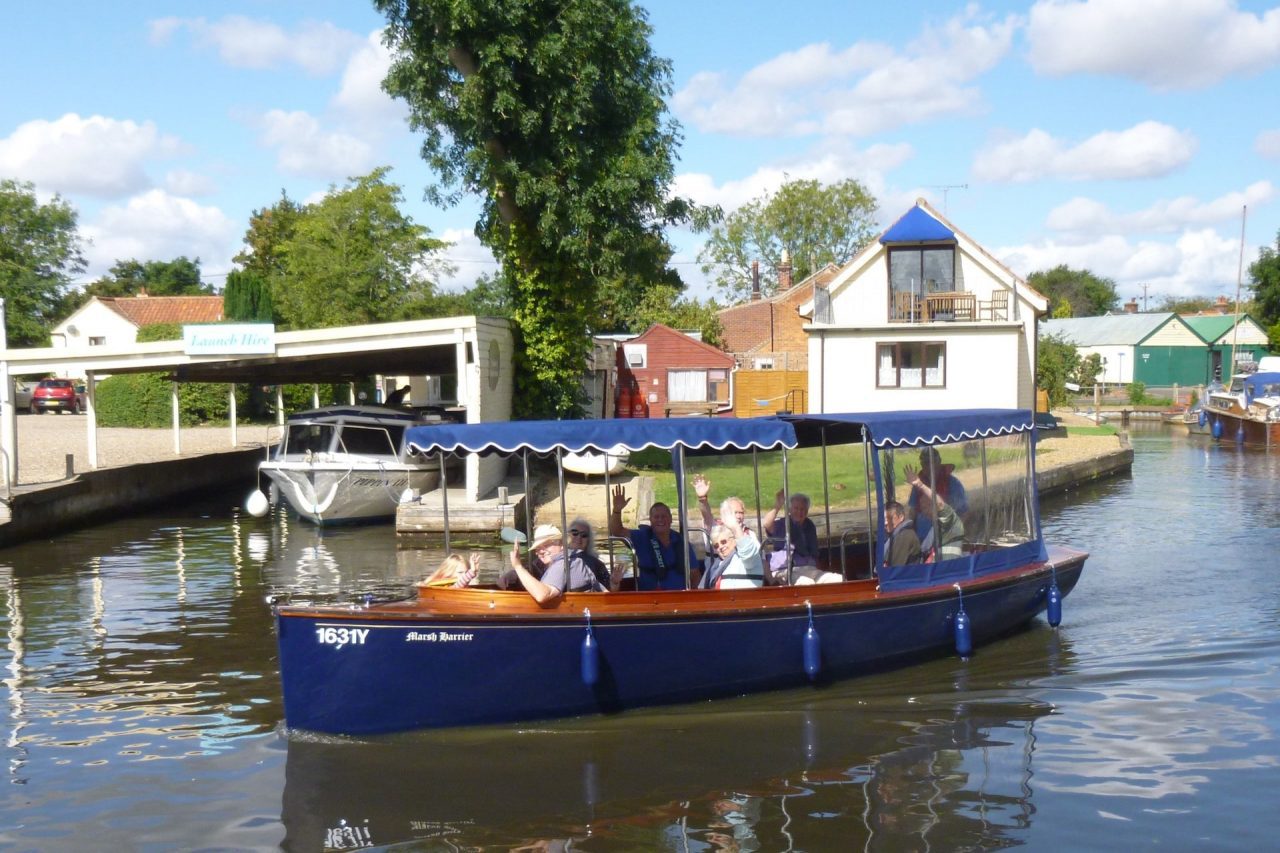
[{"x": 734, "y": 474}]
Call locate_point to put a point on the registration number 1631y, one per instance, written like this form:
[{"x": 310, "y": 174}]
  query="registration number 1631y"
[{"x": 340, "y": 637}]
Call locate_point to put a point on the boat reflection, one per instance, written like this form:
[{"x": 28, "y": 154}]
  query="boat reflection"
[{"x": 724, "y": 779}]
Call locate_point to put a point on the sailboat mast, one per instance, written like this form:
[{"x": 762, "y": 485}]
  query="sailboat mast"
[{"x": 1235, "y": 328}]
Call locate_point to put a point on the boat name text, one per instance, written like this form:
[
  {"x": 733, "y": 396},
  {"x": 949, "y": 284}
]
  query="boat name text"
[
  {"x": 339, "y": 637},
  {"x": 438, "y": 637}
]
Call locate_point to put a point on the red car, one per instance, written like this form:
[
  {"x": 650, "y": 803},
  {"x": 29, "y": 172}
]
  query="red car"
[{"x": 58, "y": 395}]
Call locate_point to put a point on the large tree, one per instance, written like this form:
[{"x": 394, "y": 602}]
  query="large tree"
[
  {"x": 666, "y": 305},
  {"x": 817, "y": 224},
  {"x": 247, "y": 297},
  {"x": 1264, "y": 279},
  {"x": 40, "y": 250},
  {"x": 178, "y": 277},
  {"x": 269, "y": 229},
  {"x": 1087, "y": 294},
  {"x": 553, "y": 112},
  {"x": 354, "y": 257}
]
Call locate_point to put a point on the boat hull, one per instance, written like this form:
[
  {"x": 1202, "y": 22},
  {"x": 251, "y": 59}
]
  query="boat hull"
[
  {"x": 341, "y": 493},
  {"x": 398, "y": 667},
  {"x": 1244, "y": 429}
]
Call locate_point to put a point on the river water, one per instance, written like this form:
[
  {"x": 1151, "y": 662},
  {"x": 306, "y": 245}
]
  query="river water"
[{"x": 142, "y": 705}]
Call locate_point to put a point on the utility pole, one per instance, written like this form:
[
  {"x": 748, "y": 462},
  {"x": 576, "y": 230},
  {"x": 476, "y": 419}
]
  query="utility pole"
[
  {"x": 1145, "y": 288},
  {"x": 946, "y": 188}
]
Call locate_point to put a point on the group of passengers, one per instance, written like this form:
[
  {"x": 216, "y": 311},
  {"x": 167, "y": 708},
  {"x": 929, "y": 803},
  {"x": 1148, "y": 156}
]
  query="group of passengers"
[{"x": 928, "y": 528}]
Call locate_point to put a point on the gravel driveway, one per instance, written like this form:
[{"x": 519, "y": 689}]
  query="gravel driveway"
[{"x": 45, "y": 440}]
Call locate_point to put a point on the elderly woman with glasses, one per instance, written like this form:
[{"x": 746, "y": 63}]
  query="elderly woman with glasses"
[{"x": 737, "y": 563}]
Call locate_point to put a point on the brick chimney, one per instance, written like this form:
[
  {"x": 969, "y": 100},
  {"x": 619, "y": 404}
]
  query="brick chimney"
[
  {"x": 755, "y": 281},
  {"x": 1131, "y": 307},
  {"x": 1222, "y": 305},
  {"x": 784, "y": 272}
]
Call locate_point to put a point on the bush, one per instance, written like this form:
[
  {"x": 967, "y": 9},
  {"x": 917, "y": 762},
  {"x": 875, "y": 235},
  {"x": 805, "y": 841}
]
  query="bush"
[
  {"x": 143, "y": 400},
  {"x": 1137, "y": 393}
]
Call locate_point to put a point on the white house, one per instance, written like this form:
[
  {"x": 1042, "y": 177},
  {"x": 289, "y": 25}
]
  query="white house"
[
  {"x": 923, "y": 318},
  {"x": 115, "y": 320}
]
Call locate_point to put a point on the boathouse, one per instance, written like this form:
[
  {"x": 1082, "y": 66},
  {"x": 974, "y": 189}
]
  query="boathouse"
[{"x": 1155, "y": 349}]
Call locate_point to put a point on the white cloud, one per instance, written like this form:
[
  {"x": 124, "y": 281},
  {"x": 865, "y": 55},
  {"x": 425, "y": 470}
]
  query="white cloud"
[
  {"x": 1267, "y": 144},
  {"x": 158, "y": 226},
  {"x": 317, "y": 47},
  {"x": 1199, "y": 262},
  {"x": 360, "y": 94},
  {"x": 184, "y": 183},
  {"x": 826, "y": 164},
  {"x": 468, "y": 257},
  {"x": 1148, "y": 149},
  {"x": 1166, "y": 44},
  {"x": 1086, "y": 217},
  {"x": 863, "y": 89},
  {"x": 304, "y": 148},
  {"x": 97, "y": 156}
]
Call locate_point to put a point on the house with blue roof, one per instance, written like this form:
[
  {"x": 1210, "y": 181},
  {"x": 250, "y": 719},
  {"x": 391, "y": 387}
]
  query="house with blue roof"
[
  {"x": 922, "y": 318},
  {"x": 1155, "y": 349}
]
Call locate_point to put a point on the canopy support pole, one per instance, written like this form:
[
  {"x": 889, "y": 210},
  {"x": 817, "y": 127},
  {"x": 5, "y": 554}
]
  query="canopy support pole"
[
  {"x": 564, "y": 521},
  {"x": 444, "y": 497},
  {"x": 872, "y": 523},
  {"x": 826, "y": 498},
  {"x": 681, "y": 503},
  {"x": 786, "y": 520},
  {"x": 528, "y": 511}
]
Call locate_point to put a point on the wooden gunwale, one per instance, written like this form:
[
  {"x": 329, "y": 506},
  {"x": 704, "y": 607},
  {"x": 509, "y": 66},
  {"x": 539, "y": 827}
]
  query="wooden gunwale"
[{"x": 492, "y": 605}]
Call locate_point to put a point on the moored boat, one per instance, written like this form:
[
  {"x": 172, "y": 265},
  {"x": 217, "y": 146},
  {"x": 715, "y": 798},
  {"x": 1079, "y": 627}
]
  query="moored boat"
[
  {"x": 450, "y": 657},
  {"x": 1247, "y": 412},
  {"x": 340, "y": 464}
]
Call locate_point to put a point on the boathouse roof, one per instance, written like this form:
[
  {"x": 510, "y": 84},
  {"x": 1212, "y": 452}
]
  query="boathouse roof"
[{"x": 1110, "y": 329}]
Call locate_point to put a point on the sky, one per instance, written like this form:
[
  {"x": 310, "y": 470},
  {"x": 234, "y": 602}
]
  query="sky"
[{"x": 1126, "y": 137}]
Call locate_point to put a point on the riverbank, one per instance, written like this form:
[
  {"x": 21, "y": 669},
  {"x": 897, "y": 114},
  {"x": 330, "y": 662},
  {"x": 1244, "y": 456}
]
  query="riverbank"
[{"x": 45, "y": 442}]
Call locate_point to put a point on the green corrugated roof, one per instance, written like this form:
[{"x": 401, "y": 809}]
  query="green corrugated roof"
[
  {"x": 1211, "y": 328},
  {"x": 1107, "y": 330}
]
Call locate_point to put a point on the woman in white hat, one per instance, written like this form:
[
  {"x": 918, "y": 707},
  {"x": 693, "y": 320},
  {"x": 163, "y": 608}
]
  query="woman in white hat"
[{"x": 561, "y": 575}]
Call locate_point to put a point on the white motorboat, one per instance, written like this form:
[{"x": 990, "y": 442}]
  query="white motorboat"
[
  {"x": 346, "y": 464},
  {"x": 591, "y": 464}
]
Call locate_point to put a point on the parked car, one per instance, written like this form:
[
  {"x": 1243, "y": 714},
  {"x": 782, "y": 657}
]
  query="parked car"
[
  {"x": 58, "y": 395},
  {"x": 21, "y": 396}
]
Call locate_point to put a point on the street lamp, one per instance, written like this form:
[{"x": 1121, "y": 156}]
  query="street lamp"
[{"x": 1120, "y": 378}]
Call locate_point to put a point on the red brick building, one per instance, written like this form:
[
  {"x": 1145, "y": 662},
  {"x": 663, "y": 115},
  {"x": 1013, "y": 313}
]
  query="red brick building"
[
  {"x": 771, "y": 350},
  {"x": 676, "y": 374}
]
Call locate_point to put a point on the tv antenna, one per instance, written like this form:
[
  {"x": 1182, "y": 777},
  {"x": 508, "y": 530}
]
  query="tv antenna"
[{"x": 946, "y": 188}]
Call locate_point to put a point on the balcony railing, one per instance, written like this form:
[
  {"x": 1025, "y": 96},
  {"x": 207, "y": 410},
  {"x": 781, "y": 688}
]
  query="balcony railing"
[{"x": 947, "y": 306}]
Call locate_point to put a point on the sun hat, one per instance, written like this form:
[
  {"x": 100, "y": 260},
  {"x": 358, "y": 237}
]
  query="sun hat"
[{"x": 544, "y": 533}]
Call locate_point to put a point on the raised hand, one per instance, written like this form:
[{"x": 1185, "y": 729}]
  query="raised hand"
[
  {"x": 701, "y": 486},
  {"x": 620, "y": 499}
]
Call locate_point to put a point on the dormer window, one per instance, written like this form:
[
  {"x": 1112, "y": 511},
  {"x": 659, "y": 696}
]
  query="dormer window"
[{"x": 922, "y": 269}]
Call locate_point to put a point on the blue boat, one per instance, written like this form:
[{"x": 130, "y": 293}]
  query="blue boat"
[{"x": 481, "y": 655}]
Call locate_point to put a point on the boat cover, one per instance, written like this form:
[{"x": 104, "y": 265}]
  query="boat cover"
[
  {"x": 1259, "y": 384},
  {"x": 899, "y": 429},
  {"x": 604, "y": 436}
]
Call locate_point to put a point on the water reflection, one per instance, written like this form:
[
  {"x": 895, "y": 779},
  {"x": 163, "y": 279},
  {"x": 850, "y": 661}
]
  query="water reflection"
[
  {"x": 744, "y": 777},
  {"x": 140, "y": 679}
]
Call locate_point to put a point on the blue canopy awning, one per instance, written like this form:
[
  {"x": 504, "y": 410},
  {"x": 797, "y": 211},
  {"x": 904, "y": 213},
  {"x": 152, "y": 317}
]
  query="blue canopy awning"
[
  {"x": 885, "y": 429},
  {"x": 917, "y": 226},
  {"x": 603, "y": 436},
  {"x": 903, "y": 429}
]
